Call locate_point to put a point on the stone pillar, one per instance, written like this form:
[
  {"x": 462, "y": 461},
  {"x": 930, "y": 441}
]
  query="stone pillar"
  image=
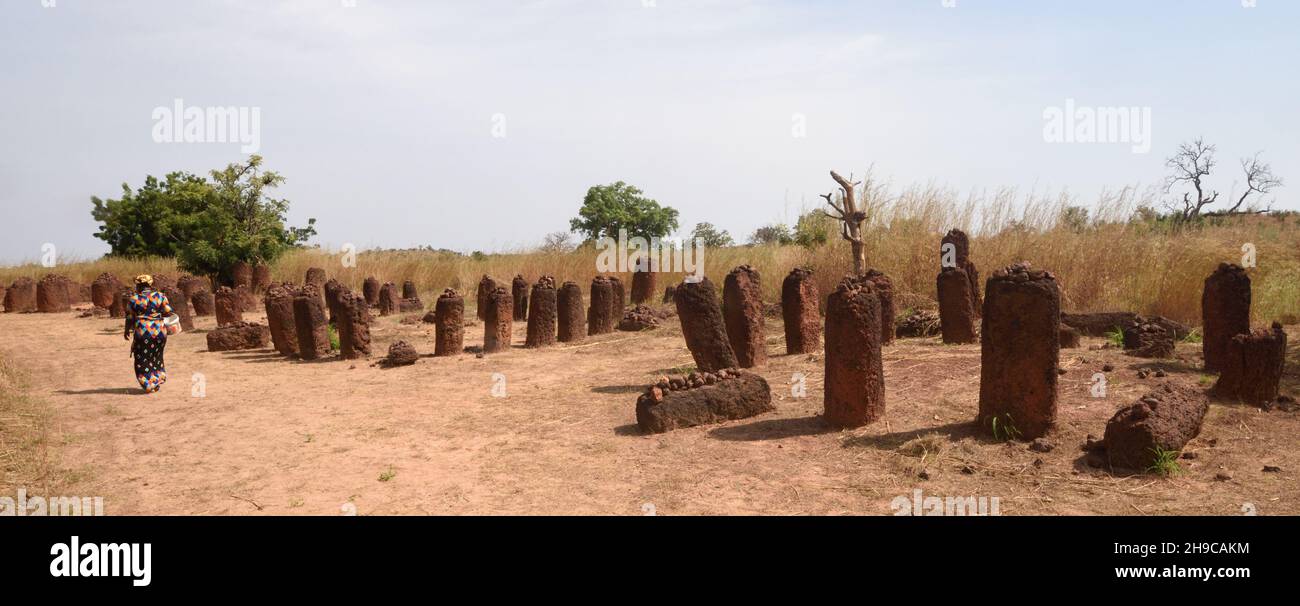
[
  {"x": 241, "y": 274},
  {"x": 279, "y": 318},
  {"x": 702, "y": 326},
  {"x": 570, "y": 321},
  {"x": 885, "y": 292},
  {"x": 855, "y": 381},
  {"x": 203, "y": 302},
  {"x": 353, "y": 326},
  {"x": 1252, "y": 366},
  {"x": 1019, "y": 353},
  {"x": 956, "y": 316},
  {"x": 541, "y": 313},
  {"x": 181, "y": 305},
  {"x": 600, "y": 314},
  {"x": 498, "y": 326},
  {"x": 619, "y": 301},
  {"x": 333, "y": 293},
  {"x": 961, "y": 260},
  {"x": 742, "y": 310},
  {"x": 230, "y": 307},
  {"x": 519, "y": 290},
  {"x": 409, "y": 291},
  {"x": 643, "y": 286},
  {"x": 191, "y": 284},
  {"x": 261, "y": 278},
  {"x": 800, "y": 302},
  {"x": 312, "y": 327},
  {"x": 316, "y": 277},
  {"x": 669, "y": 294},
  {"x": 485, "y": 287},
  {"x": 370, "y": 290},
  {"x": 52, "y": 294},
  {"x": 389, "y": 299},
  {"x": 121, "y": 303},
  {"x": 21, "y": 296},
  {"x": 103, "y": 289},
  {"x": 1225, "y": 312},
  {"x": 449, "y": 319}
]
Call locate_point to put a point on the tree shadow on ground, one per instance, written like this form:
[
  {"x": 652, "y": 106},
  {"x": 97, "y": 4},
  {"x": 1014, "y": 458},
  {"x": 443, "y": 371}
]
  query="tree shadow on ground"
[
  {"x": 103, "y": 391},
  {"x": 773, "y": 429},
  {"x": 954, "y": 432}
]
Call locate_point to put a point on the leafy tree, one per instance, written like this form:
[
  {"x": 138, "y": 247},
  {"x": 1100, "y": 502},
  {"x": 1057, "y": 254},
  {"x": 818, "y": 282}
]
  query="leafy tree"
[
  {"x": 813, "y": 229},
  {"x": 207, "y": 225},
  {"x": 155, "y": 220},
  {"x": 710, "y": 236},
  {"x": 1075, "y": 218},
  {"x": 608, "y": 208},
  {"x": 776, "y": 233},
  {"x": 557, "y": 242}
]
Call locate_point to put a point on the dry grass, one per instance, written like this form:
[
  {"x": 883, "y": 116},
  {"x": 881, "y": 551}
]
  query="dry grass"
[
  {"x": 24, "y": 435},
  {"x": 1109, "y": 265}
]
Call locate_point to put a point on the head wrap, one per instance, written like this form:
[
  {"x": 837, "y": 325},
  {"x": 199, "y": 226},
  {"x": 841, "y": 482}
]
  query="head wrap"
[{"x": 145, "y": 279}]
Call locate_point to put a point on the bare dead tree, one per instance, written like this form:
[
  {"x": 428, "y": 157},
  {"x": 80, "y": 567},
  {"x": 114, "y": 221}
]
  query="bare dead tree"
[
  {"x": 1193, "y": 163},
  {"x": 850, "y": 218}
]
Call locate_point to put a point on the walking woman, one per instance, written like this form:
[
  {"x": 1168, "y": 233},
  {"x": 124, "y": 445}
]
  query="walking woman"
[{"x": 145, "y": 312}]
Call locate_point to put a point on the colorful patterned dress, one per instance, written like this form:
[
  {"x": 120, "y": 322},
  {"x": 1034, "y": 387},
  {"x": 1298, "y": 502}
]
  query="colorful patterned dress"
[{"x": 145, "y": 313}]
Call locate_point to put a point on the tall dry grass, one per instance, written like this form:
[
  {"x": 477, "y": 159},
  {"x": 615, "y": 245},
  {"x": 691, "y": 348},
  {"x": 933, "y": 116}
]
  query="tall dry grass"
[{"x": 1110, "y": 264}]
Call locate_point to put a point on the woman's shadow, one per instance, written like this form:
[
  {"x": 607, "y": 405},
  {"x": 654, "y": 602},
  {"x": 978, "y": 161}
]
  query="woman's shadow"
[{"x": 103, "y": 391}]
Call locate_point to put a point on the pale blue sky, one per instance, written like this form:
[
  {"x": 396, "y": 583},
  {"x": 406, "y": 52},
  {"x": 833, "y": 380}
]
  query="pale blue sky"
[{"x": 381, "y": 115}]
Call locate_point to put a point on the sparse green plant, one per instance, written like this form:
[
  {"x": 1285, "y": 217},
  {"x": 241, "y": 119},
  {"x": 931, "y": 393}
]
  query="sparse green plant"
[
  {"x": 1115, "y": 336},
  {"x": 1193, "y": 336},
  {"x": 1165, "y": 463},
  {"x": 1004, "y": 429},
  {"x": 334, "y": 338},
  {"x": 388, "y": 474}
]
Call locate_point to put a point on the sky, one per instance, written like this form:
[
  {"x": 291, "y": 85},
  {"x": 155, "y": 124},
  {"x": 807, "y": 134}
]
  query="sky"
[{"x": 479, "y": 125}]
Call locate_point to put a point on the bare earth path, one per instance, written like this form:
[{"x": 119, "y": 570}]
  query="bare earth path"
[{"x": 273, "y": 436}]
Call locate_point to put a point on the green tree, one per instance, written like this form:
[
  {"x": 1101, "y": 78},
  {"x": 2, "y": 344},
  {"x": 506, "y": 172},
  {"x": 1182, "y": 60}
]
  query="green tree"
[
  {"x": 206, "y": 225},
  {"x": 710, "y": 236},
  {"x": 608, "y": 208},
  {"x": 155, "y": 220},
  {"x": 813, "y": 229},
  {"x": 776, "y": 233}
]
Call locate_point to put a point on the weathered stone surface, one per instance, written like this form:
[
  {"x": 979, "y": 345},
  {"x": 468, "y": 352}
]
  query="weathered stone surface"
[
  {"x": 885, "y": 292},
  {"x": 643, "y": 286},
  {"x": 571, "y": 323},
  {"x": 78, "y": 292},
  {"x": 241, "y": 274},
  {"x": 204, "y": 303},
  {"x": 409, "y": 291},
  {"x": 701, "y": 399},
  {"x": 619, "y": 302},
  {"x": 401, "y": 353},
  {"x": 449, "y": 320},
  {"x": 1020, "y": 353},
  {"x": 961, "y": 245},
  {"x": 370, "y": 290},
  {"x": 181, "y": 306},
  {"x": 498, "y": 323},
  {"x": 956, "y": 314},
  {"x": 638, "y": 318},
  {"x": 703, "y": 327},
  {"x": 1069, "y": 337},
  {"x": 21, "y": 296},
  {"x": 191, "y": 284},
  {"x": 485, "y": 287},
  {"x": 333, "y": 291},
  {"x": 600, "y": 314},
  {"x": 353, "y": 326},
  {"x": 742, "y": 311},
  {"x": 389, "y": 299},
  {"x": 1102, "y": 324},
  {"x": 247, "y": 300},
  {"x": 542, "y": 313},
  {"x": 800, "y": 310},
  {"x": 104, "y": 288},
  {"x": 316, "y": 277},
  {"x": 238, "y": 336},
  {"x": 1165, "y": 419},
  {"x": 519, "y": 290},
  {"x": 53, "y": 294},
  {"x": 279, "y": 318},
  {"x": 1148, "y": 340},
  {"x": 1251, "y": 369},
  {"x": 855, "y": 378},
  {"x": 230, "y": 307},
  {"x": 123, "y": 299},
  {"x": 669, "y": 293},
  {"x": 161, "y": 281},
  {"x": 261, "y": 278},
  {"x": 311, "y": 324},
  {"x": 409, "y": 306},
  {"x": 1225, "y": 312}
]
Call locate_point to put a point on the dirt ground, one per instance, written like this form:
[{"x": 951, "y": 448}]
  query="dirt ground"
[{"x": 275, "y": 436}]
